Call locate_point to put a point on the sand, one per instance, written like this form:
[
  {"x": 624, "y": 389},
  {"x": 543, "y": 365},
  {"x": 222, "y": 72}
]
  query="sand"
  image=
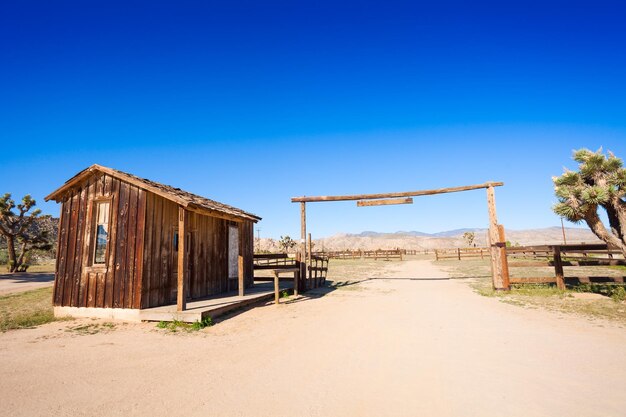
[{"x": 384, "y": 347}]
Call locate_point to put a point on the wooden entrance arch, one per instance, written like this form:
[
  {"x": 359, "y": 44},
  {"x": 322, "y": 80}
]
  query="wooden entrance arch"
[{"x": 499, "y": 266}]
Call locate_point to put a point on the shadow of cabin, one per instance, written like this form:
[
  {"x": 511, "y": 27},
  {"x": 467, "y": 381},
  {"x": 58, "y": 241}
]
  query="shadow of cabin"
[{"x": 124, "y": 241}]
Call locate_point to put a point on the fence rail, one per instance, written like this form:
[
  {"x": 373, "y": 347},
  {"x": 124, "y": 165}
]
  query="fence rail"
[
  {"x": 274, "y": 261},
  {"x": 317, "y": 268},
  {"x": 386, "y": 254},
  {"x": 564, "y": 255},
  {"x": 461, "y": 253}
]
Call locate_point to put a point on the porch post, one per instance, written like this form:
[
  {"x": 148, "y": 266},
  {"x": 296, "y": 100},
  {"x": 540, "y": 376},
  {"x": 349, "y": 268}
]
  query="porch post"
[
  {"x": 240, "y": 277},
  {"x": 183, "y": 259}
]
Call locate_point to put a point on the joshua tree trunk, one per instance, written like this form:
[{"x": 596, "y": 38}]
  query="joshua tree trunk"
[
  {"x": 13, "y": 265},
  {"x": 597, "y": 227}
]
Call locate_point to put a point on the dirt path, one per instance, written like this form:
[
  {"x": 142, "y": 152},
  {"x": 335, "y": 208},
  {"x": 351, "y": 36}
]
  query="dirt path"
[
  {"x": 24, "y": 281},
  {"x": 392, "y": 347}
]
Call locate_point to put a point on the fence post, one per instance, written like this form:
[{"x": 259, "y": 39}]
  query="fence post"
[
  {"x": 296, "y": 277},
  {"x": 308, "y": 258},
  {"x": 458, "y": 253},
  {"x": 276, "y": 287},
  {"x": 503, "y": 257},
  {"x": 558, "y": 268}
]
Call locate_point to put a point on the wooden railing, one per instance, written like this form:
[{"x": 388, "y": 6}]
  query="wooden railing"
[
  {"x": 312, "y": 276},
  {"x": 318, "y": 270},
  {"x": 273, "y": 261},
  {"x": 383, "y": 254},
  {"x": 386, "y": 254},
  {"x": 560, "y": 256},
  {"x": 461, "y": 253},
  {"x": 345, "y": 254}
]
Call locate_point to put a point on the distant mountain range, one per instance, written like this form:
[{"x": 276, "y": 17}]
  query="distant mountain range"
[
  {"x": 369, "y": 240},
  {"x": 449, "y": 233}
]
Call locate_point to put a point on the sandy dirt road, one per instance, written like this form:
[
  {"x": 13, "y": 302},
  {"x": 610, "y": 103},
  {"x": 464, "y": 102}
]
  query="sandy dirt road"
[
  {"x": 384, "y": 347},
  {"x": 24, "y": 281}
]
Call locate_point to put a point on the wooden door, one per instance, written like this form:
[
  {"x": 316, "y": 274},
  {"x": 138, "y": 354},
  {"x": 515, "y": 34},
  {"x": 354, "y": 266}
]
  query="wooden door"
[{"x": 233, "y": 252}]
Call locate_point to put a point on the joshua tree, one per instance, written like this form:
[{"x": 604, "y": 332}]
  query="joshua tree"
[
  {"x": 469, "y": 238},
  {"x": 27, "y": 231},
  {"x": 286, "y": 243},
  {"x": 599, "y": 182}
]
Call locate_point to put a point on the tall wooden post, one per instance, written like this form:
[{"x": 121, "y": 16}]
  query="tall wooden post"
[
  {"x": 309, "y": 258},
  {"x": 558, "y": 268},
  {"x": 505, "y": 261},
  {"x": 303, "y": 260},
  {"x": 240, "y": 283},
  {"x": 183, "y": 259},
  {"x": 497, "y": 260}
]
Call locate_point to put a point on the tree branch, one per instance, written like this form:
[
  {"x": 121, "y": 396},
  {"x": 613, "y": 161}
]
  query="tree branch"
[{"x": 597, "y": 227}]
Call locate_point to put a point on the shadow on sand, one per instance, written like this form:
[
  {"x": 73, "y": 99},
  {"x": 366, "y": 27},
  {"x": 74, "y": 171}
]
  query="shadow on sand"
[{"x": 26, "y": 277}]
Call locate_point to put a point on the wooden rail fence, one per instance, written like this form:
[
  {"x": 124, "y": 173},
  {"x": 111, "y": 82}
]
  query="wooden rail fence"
[
  {"x": 386, "y": 254},
  {"x": 560, "y": 256},
  {"x": 461, "y": 253}
]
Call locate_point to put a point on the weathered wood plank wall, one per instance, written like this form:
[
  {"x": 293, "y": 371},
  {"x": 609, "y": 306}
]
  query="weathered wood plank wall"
[
  {"x": 140, "y": 268},
  {"x": 78, "y": 283}
]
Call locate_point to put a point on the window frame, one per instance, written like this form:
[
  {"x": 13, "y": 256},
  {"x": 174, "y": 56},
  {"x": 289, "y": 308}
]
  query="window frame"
[{"x": 94, "y": 230}]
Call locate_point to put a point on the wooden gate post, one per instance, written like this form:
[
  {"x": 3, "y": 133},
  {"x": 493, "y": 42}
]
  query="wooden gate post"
[
  {"x": 303, "y": 260},
  {"x": 497, "y": 260},
  {"x": 503, "y": 258}
]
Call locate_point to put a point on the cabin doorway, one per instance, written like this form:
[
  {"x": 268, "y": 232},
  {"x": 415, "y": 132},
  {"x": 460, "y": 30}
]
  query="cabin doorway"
[{"x": 233, "y": 256}]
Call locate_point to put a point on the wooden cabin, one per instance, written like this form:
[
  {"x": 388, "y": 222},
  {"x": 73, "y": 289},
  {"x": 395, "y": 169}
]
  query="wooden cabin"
[{"x": 130, "y": 243}]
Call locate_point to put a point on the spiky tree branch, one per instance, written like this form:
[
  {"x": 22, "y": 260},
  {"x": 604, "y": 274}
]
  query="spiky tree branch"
[
  {"x": 29, "y": 231},
  {"x": 599, "y": 182}
]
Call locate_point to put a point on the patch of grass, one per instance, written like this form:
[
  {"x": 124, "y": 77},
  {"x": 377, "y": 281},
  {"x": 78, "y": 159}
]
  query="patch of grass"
[
  {"x": 616, "y": 292},
  {"x": 26, "y": 309},
  {"x": 484, "y": 287},
  {"x": 548, "y": 296},
  {"x": 178, "y": 325},
  {"x": 284, "y": 294},
  {"x": 618, "y": 267}
]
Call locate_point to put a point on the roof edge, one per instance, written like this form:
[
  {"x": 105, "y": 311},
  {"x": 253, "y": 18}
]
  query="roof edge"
[{"x": 80, "y": 176}]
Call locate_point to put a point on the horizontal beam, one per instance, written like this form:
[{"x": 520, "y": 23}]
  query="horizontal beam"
[
  {"x": 392, "y": 195},
  {"x": 385, "y": 202}
]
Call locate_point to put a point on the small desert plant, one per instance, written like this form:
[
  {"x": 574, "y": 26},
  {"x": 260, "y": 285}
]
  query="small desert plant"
[
  {"x": 618, "y": 294},
  {"x": 176, "y": 325},
  {"x": 205, "y": 322}
]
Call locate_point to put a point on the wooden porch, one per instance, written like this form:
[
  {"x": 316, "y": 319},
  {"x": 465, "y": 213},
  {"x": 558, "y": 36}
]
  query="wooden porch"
[{"x": 215, "y": 306}]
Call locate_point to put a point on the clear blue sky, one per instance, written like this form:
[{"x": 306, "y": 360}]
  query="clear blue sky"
[{"x": 251, "y": 103}]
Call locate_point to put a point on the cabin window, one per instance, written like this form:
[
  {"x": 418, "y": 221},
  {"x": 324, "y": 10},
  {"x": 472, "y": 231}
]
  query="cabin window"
[
  {"x": 175, "y": 241},
  {"x": 102, "y": 232}
]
